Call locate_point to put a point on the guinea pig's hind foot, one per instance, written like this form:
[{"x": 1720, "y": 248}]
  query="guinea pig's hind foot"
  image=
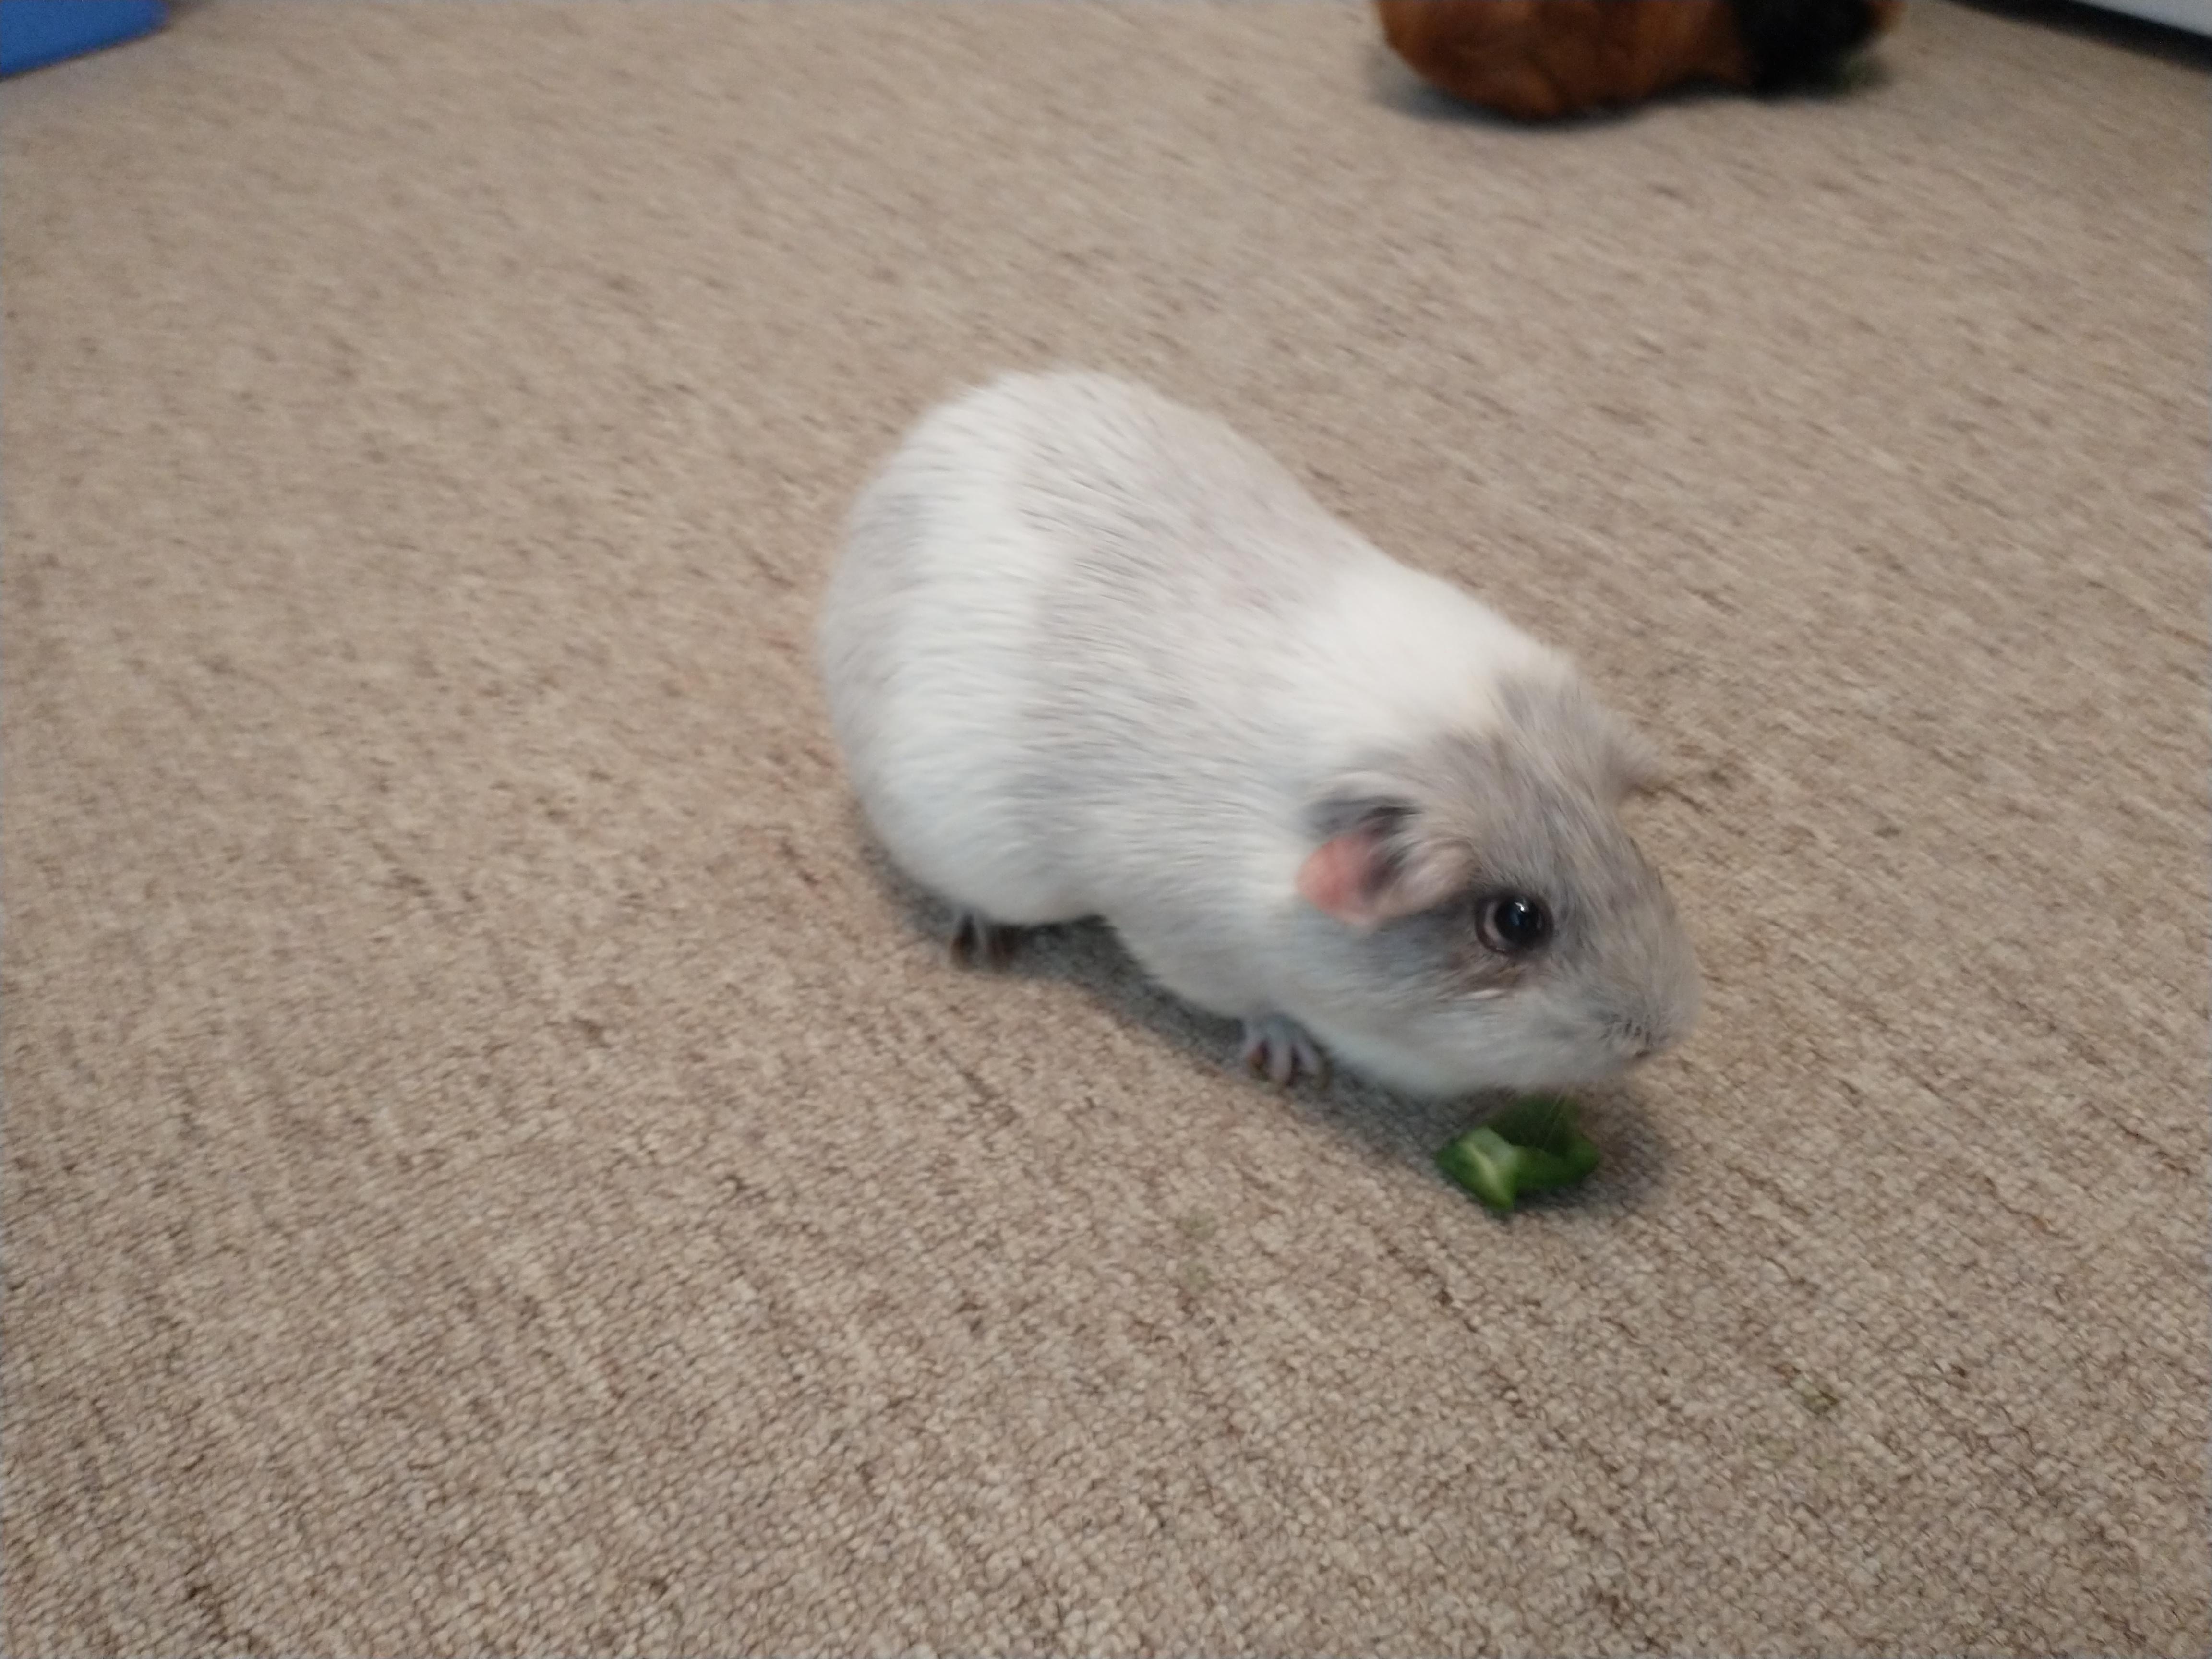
[
  {"x": 977, "y": 943},
  {"x": 1275, "y": 1048}
]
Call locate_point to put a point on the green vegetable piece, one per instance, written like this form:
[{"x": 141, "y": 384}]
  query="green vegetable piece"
[
  {"x": 1531, "y": 1146},
  {"x": 1486, "y": 1164}
]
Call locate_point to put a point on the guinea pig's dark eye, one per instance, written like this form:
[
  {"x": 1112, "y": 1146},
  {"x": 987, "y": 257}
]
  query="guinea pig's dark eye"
[{"x": 1512, "y": 923}]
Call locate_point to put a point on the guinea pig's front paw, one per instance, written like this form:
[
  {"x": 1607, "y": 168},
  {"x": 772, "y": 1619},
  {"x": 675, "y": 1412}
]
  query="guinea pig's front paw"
[
  {"x": 1274, "y": 1047},
  {"x": 977, "y": 943}
]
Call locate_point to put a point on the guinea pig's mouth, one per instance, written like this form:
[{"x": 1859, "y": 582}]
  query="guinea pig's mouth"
[
  {"x": 1637, "y": 1043},
  {"x": 1615, "y": 1047},
  {"x": 1638, "y": 1040}
]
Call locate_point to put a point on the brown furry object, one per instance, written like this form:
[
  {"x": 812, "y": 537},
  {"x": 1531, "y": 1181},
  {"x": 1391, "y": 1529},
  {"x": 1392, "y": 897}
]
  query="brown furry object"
[{"x": 1541, "y": 59}]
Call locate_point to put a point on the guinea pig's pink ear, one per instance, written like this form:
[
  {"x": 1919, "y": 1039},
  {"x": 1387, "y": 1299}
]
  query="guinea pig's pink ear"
[{"x": 1374, "y": 871}]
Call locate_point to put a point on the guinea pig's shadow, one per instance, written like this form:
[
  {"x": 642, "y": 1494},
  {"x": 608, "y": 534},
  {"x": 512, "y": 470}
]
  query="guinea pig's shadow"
[
  {"x": 1399, "y": 1128},
  {"x": 1394, "y": 85}
]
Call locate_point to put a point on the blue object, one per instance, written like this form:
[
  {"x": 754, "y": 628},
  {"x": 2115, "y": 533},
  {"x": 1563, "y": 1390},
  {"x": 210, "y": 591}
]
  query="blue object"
[{"x": 36, "y": 32}]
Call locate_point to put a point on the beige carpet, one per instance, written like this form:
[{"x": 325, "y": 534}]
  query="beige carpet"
[{"x": 491, "y": 1166}]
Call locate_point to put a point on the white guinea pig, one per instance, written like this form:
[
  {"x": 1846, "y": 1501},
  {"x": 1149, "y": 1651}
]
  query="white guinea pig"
[{"x": 1089, "y": 653}]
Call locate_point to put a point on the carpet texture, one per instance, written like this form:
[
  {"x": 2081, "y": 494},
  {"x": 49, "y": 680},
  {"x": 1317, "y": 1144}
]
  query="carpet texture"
[{"x": 492, "y": 1165}]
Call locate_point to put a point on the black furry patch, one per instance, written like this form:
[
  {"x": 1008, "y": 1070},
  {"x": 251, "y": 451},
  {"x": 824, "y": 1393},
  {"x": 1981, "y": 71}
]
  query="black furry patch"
[{"x": 1793, "y": 43}]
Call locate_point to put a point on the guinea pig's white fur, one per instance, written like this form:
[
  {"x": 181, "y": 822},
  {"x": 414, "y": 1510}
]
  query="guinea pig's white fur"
[{"x": 1090, "y": 653}]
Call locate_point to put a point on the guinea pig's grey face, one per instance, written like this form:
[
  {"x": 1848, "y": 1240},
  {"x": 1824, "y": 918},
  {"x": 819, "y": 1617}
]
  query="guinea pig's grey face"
[
  {"x": 1562, "y": 962},
  {"x": 1557, "y": 958}
]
